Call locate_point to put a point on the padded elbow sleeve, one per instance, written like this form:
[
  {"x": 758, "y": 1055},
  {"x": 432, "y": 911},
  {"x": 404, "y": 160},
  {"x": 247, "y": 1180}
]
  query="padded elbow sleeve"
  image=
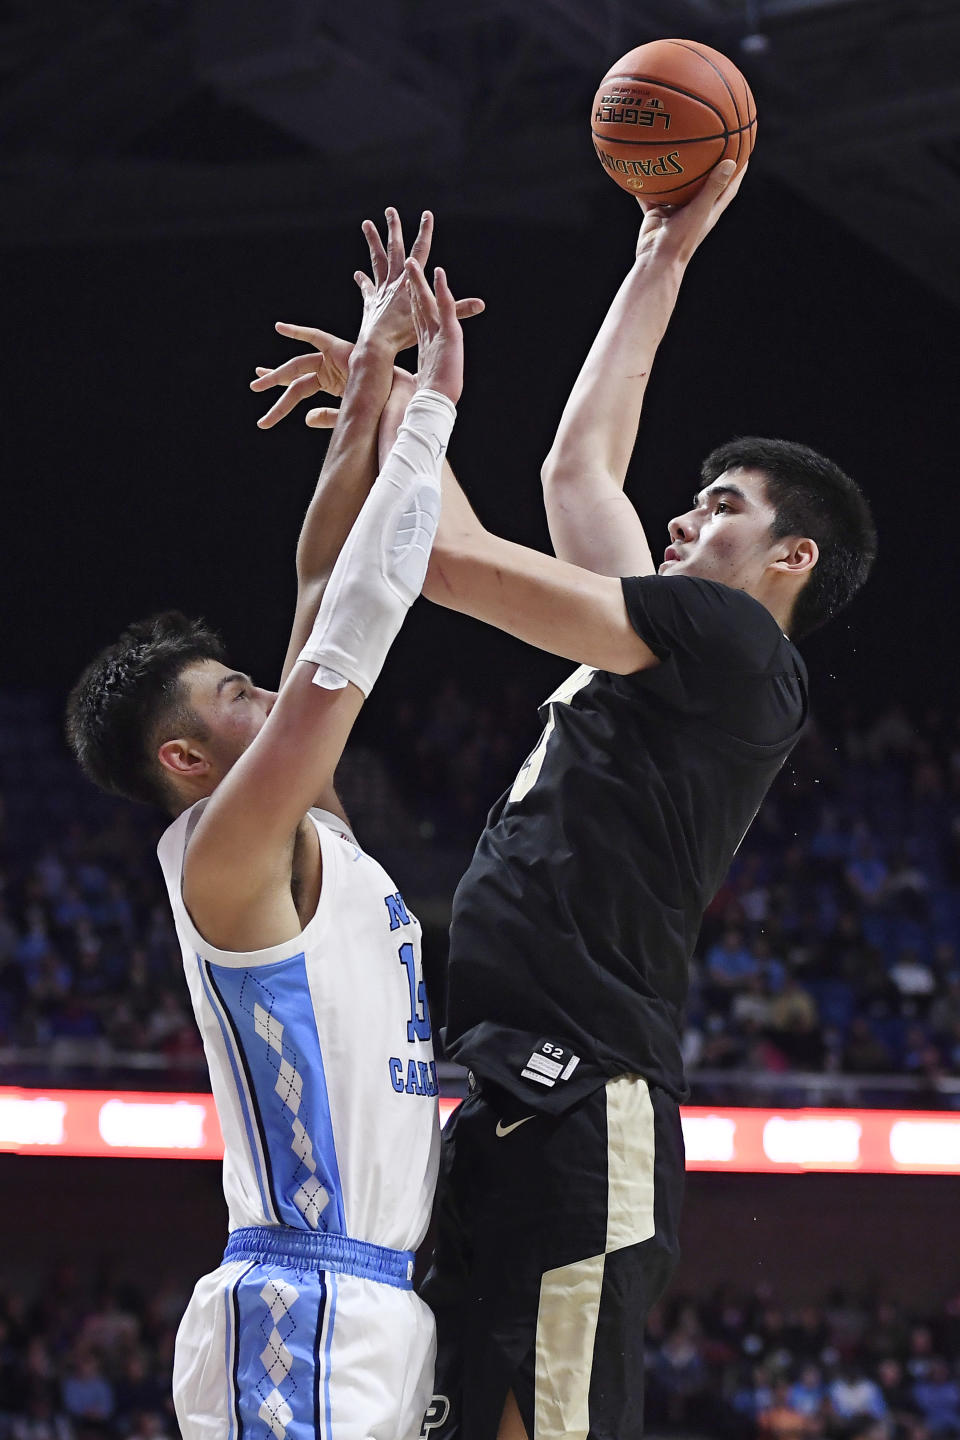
[{"x": 381, "y": 568}]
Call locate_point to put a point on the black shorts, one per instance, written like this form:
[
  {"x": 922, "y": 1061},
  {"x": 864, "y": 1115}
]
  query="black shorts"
[{"x": 554, "y": 1237}]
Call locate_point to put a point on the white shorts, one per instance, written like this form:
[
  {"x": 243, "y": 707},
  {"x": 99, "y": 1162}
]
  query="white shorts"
[{"x": 270, "y": 1349}]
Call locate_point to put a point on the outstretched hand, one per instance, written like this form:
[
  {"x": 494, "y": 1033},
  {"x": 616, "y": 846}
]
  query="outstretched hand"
[
  {"x": 680, "y": 229},
  {"x": 386, "y": 302},
  {"x": 386, "y": 315},
  {"x": 305, "y": 375},
  {"x": 439, "y": 336}
]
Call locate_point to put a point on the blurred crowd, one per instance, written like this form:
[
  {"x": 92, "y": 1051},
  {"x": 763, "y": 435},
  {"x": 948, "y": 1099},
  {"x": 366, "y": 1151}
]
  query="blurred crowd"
[
  {"x": 832, "y": 948},
  {"x": 81, "y": 1361},
  {"x": 89, "y": 962},
  {"x": 834, "y": 944},
  {"x": 740, "y": 1366}
]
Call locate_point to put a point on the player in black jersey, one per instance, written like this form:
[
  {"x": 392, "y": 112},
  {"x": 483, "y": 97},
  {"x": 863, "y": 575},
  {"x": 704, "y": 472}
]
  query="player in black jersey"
[{"x": 572, "y": 930}]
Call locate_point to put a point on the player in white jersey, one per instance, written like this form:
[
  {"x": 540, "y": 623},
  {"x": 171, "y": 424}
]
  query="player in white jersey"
[
  {"x": 322, "y": 1070},
  {"x": 302, "y": 960}
]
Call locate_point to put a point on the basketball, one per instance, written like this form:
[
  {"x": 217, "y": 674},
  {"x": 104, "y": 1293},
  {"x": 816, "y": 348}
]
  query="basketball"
[{"x": 666, "y": 114}]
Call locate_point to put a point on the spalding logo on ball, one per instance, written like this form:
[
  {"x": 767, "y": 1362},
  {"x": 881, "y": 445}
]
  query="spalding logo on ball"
[{"x": 666, "y": 114}]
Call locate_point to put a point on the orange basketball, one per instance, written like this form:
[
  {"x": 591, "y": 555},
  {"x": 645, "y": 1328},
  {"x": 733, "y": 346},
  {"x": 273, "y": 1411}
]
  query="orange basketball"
[{"x": 666, "y": 114}]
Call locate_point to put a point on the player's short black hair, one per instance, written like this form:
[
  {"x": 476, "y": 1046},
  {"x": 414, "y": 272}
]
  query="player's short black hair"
[
  {"x": 813, "y": 499},
  {"x": 130, "y": 699}
]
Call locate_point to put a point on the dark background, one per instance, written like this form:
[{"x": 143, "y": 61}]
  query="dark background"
[
  {"x": 801, "y": 1234},
  {"x": 176, "y": 175},
  {"x": 136, "y": 478}
]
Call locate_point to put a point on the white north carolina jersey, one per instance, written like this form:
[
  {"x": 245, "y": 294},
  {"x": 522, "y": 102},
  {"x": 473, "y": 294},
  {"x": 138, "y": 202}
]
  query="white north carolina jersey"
[{"x": 320, "y": 1056}]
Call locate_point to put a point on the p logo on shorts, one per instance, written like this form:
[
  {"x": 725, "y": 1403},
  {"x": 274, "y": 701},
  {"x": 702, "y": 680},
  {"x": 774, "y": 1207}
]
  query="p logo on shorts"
[{"x": 435, "y": 1415}]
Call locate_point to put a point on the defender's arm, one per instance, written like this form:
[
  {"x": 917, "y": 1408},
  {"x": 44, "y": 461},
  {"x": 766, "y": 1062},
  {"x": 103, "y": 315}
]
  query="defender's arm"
[
  {"x": 238, "y": 865},
  {"x": 350, "y": 466},
  {"x": 351, "y": 462}
]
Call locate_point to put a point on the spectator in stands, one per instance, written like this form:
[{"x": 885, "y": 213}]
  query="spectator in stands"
[
  {"x": 944, "y": 1013},
  {"x": 39, "y": 1368},
  {"x": 914, "y": 980},
  {"x": 48, "y": 984},
  {"x": 87, "y": 1394},
  {"x": 34, "y": 943},
  {"x": 864, "y": 1052},
  {"x": 853, "y": 1396},
  {"x": 920, "y": 1352},
  {"x": 782, "y": 1421},
  {"x": 898, "y": 1395},
  {"x": 919, "y": 1055},
  {"x": 41, "y": 1421},
  {"x": 808, "y": 1393},
  {"x": 111, "y": 1328},
  {"x": 168, "y": 1021},
  {"x": 114, "y": 912},
  {"x": 846, "y": 1320},
  {"x": 795, "y": 1024},
  {"x": 752, "y": 1394},
  {"x": 866, "y": 873},
  {"x": 831, "y": 841},
  {"x": 752, "y": 1002},
  {"x": 680, "y": 1373},
  {"x": 849, "y": 946},
  {"x": 730, "y": 962},
  {"x": 91, "y": 988},
  {"x": 937, "y": 1396},
  {"x": 753, "y": 890},
  {"x": 138, "y": 1391},
  {"x": 908, "y": 886},
  {"x": 721, "y": 1048}
]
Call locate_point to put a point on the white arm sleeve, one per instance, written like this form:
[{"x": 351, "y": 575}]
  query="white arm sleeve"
[{"x": 381, "y": 568}]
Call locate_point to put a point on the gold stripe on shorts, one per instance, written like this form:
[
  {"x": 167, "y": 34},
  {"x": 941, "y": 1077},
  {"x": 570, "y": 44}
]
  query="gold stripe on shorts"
[{"x": 570, "y": 1295}]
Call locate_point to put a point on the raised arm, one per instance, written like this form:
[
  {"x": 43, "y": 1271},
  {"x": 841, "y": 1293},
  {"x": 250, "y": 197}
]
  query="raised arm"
[
  {"x": 592, "y": 523},
  {"x": 351, "y": 463},
  {"x": 237, "y": 876},
  {"x": 350, "y": 466}
]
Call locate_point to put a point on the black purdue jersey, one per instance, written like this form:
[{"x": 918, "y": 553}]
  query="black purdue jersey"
[{"x": 573, "y": 927}]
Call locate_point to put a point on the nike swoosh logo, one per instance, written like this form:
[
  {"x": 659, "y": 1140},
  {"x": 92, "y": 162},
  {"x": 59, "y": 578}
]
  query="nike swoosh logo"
[{"x": 505, "y": 1129}]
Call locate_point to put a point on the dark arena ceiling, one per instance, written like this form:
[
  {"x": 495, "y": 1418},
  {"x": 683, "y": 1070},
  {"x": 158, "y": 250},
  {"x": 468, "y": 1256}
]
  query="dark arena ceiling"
[{"x": 135, "y": 118}]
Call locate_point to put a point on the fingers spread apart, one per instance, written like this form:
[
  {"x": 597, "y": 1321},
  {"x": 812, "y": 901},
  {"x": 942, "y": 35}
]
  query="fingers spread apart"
[
  {"x": 285, "y": 374},
  {"x": 299, "y": 390}
]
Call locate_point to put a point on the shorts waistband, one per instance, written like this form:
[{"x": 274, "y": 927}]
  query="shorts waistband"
[{"x": 313, "y": 1250}]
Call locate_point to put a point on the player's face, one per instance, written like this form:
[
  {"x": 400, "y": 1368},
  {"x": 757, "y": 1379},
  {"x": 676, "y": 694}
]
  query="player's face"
[
  {"x": 231, "y": 708},
  {"x": 725, "y": 535}
]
